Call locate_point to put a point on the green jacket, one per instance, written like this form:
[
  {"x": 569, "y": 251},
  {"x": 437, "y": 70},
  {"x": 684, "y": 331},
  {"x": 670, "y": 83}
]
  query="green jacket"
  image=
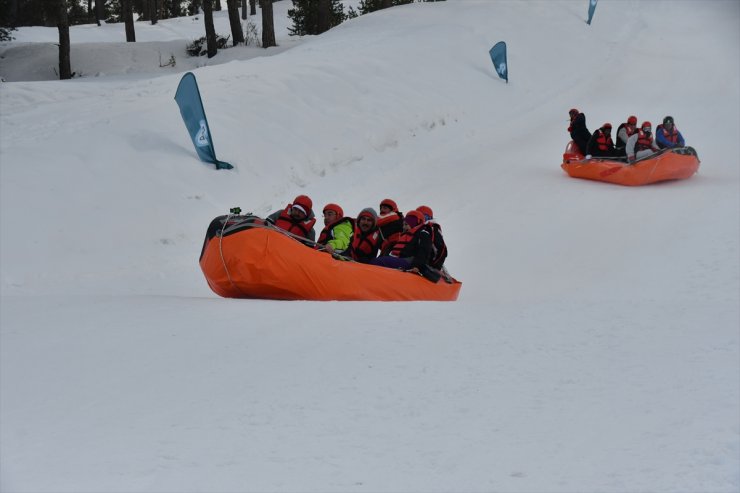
[{"x": 338, "y": 235}]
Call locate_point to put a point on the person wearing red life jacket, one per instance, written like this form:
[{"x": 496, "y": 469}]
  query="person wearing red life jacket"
[
  {"x": 625, "y": 130},
  {"x": 335, "y": 236},
  {"x": 641, "y": 144},
  {"x": 439, "y": 247},
  {"x": 578, "y": 131},
  {"x": 390, "y": 225},
  {"x": 365, "y": 242},
  {"x": 413, "y": 249},
  {"x": 667, "y": 135},
  {"x": 297, "y": 218},
  {"x": 601, "y": 143}
]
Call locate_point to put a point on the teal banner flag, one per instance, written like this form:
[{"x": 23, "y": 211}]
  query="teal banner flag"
[
  {"x": 194, "y": 116},
  {"x": 498, "y": 57},
  {"x": 591, "y": 10}
]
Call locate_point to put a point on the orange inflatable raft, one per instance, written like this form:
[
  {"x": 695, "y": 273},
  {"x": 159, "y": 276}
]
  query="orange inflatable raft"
[
  {"x": 243, "y": 258},
  {"x": 667, "y": 164}
]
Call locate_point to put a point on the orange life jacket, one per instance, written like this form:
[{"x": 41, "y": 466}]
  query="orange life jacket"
[
  {"x": 404, "y": 239},
  {"x": 300, "y": 228},
  {"x": 605, "y": 143},
  {"x": 670, "y": 136},
  {"x": 644, "y": 141},
  {"x": 628, "y": 130},
  {"x": 390, "y": 227},
  {"x": 365, "y": 246}
]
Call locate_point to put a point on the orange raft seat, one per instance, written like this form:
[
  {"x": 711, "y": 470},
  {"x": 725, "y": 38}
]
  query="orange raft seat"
[
  {"x": 677, "y": 163},
  {"x": 243, "y": 257}
]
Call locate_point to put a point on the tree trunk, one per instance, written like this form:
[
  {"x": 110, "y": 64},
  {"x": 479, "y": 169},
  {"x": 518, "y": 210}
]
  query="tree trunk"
[
  {"x": 210, "y": 30},
  {"x": 236, "y": 26},
  {"x": 144, "y": 14},
  {"x": 99, "y": 10},
  {"x": 65, "y": 67},
  {"x": 323, "y": 16},
  {"x": 244, "y": 10},
  {"x": 217, "y": 5},
  {"x": 268, "y": 25},
  {"x": 128, "y": 19},
  {"x": 90, "y": 13},
  {"x": 252, "y": 7},
  {"x": 12, "y": 13},
  {"x": 154, "y": 11}
]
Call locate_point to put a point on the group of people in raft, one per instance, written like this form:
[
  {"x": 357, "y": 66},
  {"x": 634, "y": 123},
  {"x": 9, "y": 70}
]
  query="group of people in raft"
[
  {"x": 411, "y": 242},
  {"x": 633, "y": 142}
]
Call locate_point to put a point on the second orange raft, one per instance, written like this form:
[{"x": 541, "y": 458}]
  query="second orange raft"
[
  {"x": 241, "y": 260},
  {"x": 669, "y": 164}
]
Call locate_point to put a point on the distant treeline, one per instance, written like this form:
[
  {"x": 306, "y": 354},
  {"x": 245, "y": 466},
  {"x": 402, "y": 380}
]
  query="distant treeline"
[
  {"x": 308, "y": 16},
  {"x": 305, "y": 13}
]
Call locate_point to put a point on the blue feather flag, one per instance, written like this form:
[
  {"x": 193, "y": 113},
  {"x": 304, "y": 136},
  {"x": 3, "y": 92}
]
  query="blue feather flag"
[
  {"x": 591, "y": 10},
  {"x": 498, "y": 57},
  {"x": 194, "y": 116}
]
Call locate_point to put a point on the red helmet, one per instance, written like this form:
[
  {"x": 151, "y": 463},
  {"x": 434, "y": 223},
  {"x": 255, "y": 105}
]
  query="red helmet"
[
  {"x": 305, "y": 203},
  {"x": 389, "y": 203},
  {"x": 426, "y": 210},
  {"x": 646, "y": 126},
  {"x": 414, "y": 218},
  {"x": 632, "y": 120},
  {"x": 334, "y": 208}
]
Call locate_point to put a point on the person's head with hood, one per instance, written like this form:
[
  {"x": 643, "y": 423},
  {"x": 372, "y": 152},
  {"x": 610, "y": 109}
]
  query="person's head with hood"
[{"x": 367, "y": 219}]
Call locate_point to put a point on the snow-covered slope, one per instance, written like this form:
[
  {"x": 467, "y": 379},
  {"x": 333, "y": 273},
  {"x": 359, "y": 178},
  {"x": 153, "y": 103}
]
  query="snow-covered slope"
[{"x": 595, "y": 343}]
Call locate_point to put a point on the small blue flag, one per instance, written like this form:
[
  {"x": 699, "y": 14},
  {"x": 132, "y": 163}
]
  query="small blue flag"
[
  {"x": 498, "y": 57},
  {"x": 591, "y": 10},
  {"x": 194, "y": 116}
]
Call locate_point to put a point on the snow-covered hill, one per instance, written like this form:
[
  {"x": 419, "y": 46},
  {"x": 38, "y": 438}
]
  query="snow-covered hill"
[{"x": 595, "y": 343}]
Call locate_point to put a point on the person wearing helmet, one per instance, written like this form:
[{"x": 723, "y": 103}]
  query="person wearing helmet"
[
  {"x": 578, "y": 130},
  {"x": 390, "y": 225},
  {"x": 297, "y": 218},
  {"x": 413, "y": 250},
  {"x": 625, "y": 130},
  {"x": 601, "y": 143},
  {"x": 641, "y": 143},
  {"x": 365, "y": 242},
  {"x": 667, "y": 135},
  {"x": 439, "y": 247},
  {"x": 335, "y": 236}
]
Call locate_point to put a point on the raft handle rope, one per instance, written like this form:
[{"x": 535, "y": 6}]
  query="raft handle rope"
[{"x": 272, "y": 227}]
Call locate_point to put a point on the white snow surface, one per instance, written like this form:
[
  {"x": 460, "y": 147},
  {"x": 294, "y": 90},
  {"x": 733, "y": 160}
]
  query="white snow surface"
[{"x": 594, "y": 347}]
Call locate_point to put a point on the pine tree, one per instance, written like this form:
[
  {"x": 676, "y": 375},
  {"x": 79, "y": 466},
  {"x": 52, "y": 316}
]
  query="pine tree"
[
  {"x": 315, "y": 16},
  {"x": 367, "y": 6}
]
